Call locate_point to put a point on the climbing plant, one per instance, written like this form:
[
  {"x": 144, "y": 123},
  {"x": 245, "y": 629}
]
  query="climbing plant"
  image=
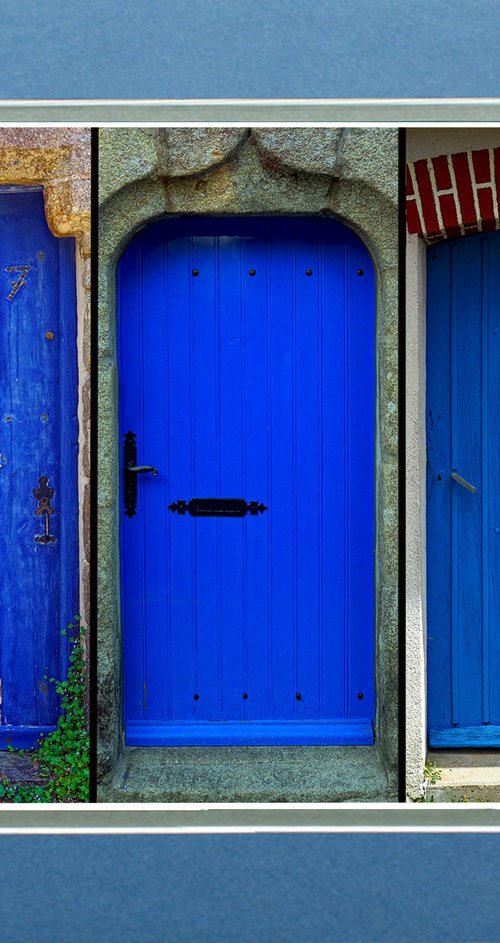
[{"x": 62, "y": 757}]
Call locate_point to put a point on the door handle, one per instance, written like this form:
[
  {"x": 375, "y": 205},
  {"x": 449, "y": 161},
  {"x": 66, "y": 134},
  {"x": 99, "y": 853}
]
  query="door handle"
[
  {"x": 461, "y": 481},
  {"x": 130, "y": 472},
  {"x": 139, "y": 469}
]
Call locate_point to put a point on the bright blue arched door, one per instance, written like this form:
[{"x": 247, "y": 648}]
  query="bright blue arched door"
[
  {"x": 38, "y": 453},
  {"x": 247, "y": 381},
  {"x": 463, "y": 492}
]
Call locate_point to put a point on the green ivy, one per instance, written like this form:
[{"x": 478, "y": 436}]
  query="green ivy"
[{"x": 63, "y": 755}]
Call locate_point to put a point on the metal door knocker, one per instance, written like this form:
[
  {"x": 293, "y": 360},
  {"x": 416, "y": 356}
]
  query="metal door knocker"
[{"x": 44, "y": 496}]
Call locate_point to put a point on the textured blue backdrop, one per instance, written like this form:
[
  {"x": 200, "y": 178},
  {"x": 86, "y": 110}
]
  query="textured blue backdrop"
[
  {"x": 243, "y": 888},
  {"x": 238, "y": 48},
  {"x": 314, "y": 889}
]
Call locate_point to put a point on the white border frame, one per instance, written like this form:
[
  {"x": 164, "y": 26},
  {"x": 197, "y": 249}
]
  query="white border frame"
[
  {"x": 314, "y": 112},
  {"x": 240, "y": 818}
]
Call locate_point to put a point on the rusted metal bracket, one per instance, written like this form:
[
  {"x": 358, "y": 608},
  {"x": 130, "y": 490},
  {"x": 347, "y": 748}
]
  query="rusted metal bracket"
[{"x": 44, "y": 495}]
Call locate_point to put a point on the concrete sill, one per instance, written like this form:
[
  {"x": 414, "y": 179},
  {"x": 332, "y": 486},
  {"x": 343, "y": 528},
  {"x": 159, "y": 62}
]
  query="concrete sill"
[{"x": 466, "y": 775}]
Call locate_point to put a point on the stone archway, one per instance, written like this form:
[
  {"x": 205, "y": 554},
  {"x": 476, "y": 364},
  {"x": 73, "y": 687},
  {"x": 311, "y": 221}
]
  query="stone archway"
[{"x": 153, "y": 173}]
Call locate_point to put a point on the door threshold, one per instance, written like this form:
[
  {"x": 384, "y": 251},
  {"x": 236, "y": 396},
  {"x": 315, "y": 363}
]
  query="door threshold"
[
  {"x": 480, "y": 737},
  {"x": 250, "y": 774},
  {"x": 251, "y": 733},
  {"x": 465, "y": 775},
  {"x": 20, "y": 770},
  {"x": 22, "y": 738}
]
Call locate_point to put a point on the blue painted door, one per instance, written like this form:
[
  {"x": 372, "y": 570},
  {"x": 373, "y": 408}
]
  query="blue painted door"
[
  {"x": 247, "y": 380},
  {"x": 38, "y": 439},
  {"x": 463, "y": 488}
]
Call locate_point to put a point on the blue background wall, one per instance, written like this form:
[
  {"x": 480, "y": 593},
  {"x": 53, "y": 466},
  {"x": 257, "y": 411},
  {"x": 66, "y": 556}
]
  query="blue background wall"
[
  {"x": 242, "y": 888},
  {"x": 258, "y": 49},
  {"x": 312, "y": 888}
]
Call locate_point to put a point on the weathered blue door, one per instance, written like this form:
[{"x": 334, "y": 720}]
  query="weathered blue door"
[
  {"x": 247, "y": 381},
  {"x": 38, "y": 440},
  {"x": 463, "y": 487}
]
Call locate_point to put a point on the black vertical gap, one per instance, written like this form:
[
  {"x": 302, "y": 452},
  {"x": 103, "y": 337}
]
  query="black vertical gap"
[
  {"x": 92, "y": 629},
  {"x": 402, "y": 465}
]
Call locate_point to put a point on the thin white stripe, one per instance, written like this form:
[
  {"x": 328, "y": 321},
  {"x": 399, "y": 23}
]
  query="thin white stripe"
[
  {"x": 317, "y": 102},
  {"x": 256, "y": 830}
]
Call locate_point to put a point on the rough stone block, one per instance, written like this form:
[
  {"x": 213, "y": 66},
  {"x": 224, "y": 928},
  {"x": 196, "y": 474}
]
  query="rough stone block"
[
  {"x": 388, "y": 503},
  {"x": 388, "y": 392},
  {"x": 183, "y": 155},
  {"x": 125, "y": 155},
  {"x": 314, "y": 150}
]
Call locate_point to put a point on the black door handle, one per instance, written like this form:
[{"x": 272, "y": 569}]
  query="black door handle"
[
  {"x": 139, "y": 469},
  {"x": 130, "y": 472}
]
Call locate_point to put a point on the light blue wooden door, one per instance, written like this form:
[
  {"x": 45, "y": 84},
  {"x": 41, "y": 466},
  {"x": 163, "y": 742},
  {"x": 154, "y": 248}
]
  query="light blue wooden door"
[
  {"x": 247, "y": 380},
  {"x": 38, "y": 440},
  {"x": 463, "y": 488}
]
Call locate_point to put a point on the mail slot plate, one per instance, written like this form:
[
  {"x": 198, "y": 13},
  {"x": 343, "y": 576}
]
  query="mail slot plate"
[{"x": 217, "y": 507}]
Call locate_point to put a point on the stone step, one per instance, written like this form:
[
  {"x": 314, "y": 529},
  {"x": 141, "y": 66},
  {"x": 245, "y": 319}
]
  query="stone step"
[
  {"x": 466, "y": 776},
  {"x": 250, "y": 774},
  {"x": 19, "y": 769}
]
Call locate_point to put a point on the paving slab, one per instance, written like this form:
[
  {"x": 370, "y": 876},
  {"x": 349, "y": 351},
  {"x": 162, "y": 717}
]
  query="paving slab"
[
  {"x": 466, "y": 775},
  {"x": 249, "y": 774},
  {"x": 19, "y": 769}
]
